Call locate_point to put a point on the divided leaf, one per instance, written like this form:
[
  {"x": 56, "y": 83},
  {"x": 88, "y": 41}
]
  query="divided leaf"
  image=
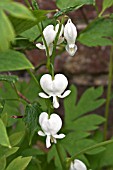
[
  {"x": 86, "y": 123},
  {"x": 97, "y": 33},
  {"x": 88, "y": 102}
]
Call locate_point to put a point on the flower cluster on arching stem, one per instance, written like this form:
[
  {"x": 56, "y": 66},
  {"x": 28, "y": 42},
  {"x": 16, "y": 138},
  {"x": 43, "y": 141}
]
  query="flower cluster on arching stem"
[
  {"x": 55, "y": 87},
  {"x": 70, "y": 34}
]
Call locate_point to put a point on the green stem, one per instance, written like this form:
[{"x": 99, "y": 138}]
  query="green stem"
[
  {"x": 27, "y": 3},
  {"x": 110, "y": 77},
  {"x": 88, "y": 149},
  {"x": 40, "y": 65},
  {"x": 55, "y": 42},
  {"x": 60, "y": 156},
  {"x": 34, "y": 78}
]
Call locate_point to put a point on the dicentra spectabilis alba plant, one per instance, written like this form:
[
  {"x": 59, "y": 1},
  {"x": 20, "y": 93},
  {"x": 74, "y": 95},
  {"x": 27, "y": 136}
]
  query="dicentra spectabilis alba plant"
[
  {"x": 50, "y": 126},
  {"x": 54, "y": 87},
  {"x": 77, "y": 165}
]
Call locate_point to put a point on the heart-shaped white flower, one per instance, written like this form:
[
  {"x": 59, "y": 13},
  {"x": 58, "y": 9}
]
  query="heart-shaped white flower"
[
  {"x": 50, "y": 126},
  {"x": 70, "y": 34},
  {"x": 49, "y": 35},
  {"x": 77, "y": 165},
  {"x": 54, "y": 88}
]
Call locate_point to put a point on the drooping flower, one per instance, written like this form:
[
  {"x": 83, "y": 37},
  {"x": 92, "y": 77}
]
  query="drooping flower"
[
  {"x": 70, "y": 34},
  {"x": 54, "y": 88},
  {"x": 49, "y": 35},
  {"x": 50, "y": 126},
  {"x": 77, "y": 165}
]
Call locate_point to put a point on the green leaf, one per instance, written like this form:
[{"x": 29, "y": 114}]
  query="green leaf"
[
  {"x": 6, "y": 32},
  {"x": 4, "y": 140},
  {"x": 97, "y": 33},
  {"x": 19, "y": 163},
  {"x": 67, "y": 3},
  {"x": 31, "y": 118},
  {"x": 7, "y": 151},
  {"x": 2, "y": 163},
  {"x": 22, "y": 25},
  {"x": 31, "y": 33},
  {"x": 16, "y": 138},
  {"x": 16, "y": 9},
  {"x": 87, "y": 123},
  {"x": 107, "y": 156},
  {"x": 10, "y": 79},
  {"x": 88, "y": 102},
  {"x": 13, "y": 60},
  {"x": 69, "y": 104},
  {"x": 107, "y": 4}
]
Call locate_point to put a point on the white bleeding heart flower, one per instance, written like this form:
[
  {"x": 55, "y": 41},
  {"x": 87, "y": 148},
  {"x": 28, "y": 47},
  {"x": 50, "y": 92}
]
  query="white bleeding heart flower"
[
  {"x": 60, "y": 39},
  {"x": 70, "y": 34},
  {"x": 54, "y": 88},
  {"x": 77, "y": 165},
  {"x": 49, "y": 35},
  {"x": 50, "y": 126}
]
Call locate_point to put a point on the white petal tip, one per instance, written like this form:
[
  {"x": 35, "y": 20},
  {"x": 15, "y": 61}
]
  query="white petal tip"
[{"x": 43, "y": 95}]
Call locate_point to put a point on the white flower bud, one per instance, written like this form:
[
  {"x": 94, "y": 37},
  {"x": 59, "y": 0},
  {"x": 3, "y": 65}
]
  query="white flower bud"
[{"x": 70, "y": 34}]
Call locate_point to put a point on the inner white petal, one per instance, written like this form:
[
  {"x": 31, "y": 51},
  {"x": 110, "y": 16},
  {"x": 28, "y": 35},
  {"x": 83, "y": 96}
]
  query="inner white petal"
[
  {"x": 55, "y": 102},
  {"x": 48, "y": 144},
  {"x": 71, "y": 51}
]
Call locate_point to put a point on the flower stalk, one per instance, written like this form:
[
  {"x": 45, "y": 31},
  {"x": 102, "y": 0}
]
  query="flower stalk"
[
  {"x": 110, "y": 78},
  {"x": 69, "y": 160}
]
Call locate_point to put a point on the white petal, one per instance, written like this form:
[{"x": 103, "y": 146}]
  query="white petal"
[
  {"x": 43, "y": 116},
  {"x": 70, "y": 32},
  {"x": 55, "y": 124},
  {"x": 55, "y": 102},
  {"x": 71, "y": 51},
  {"x": 66, "y": 93},
  {"x": 48, "y": 144},
  {"x": 41, "y": 133},
  {"x": 43, "y": 95},
  {"x": 46, "y": 83},
  {"x": 49, "y": 34},
  {"x": 60, "y": 83},
  {"x": 40, "y": 46},
  {"x": 79, "y": 165},
  {"x": 60, "y": 136}
]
